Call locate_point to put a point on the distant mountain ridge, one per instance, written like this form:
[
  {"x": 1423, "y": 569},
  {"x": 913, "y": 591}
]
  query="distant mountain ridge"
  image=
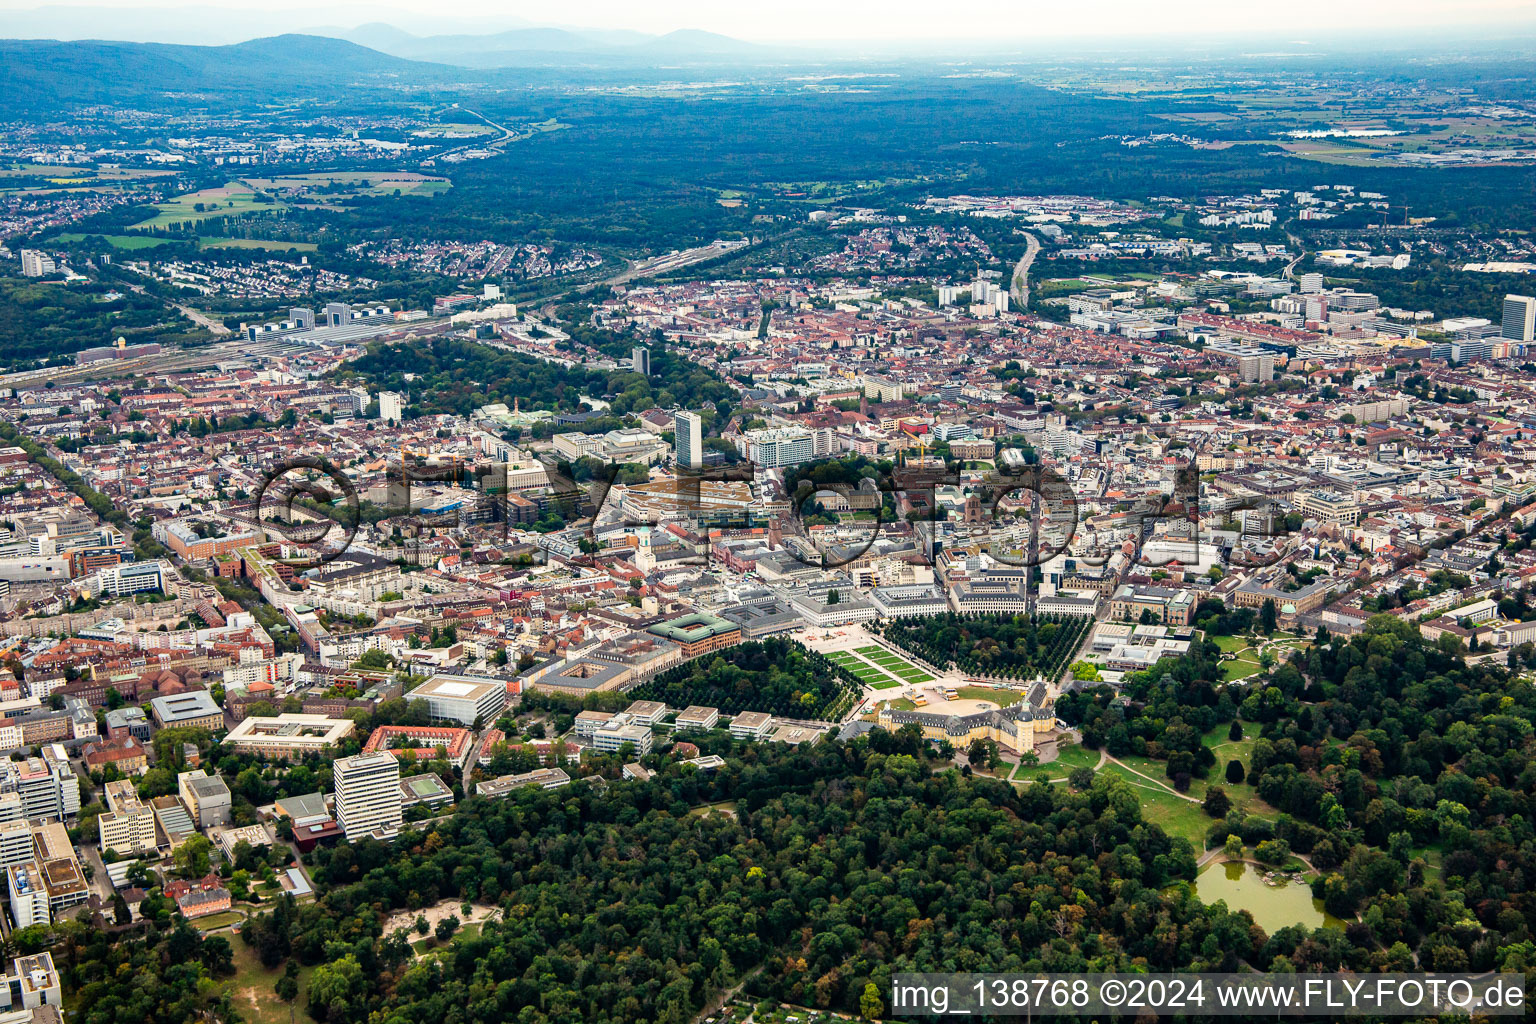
[
  {"x": 47, "y": 74},
  {"x": 533, "y": 46},
  {"x": 206, "y": 25},
  {"x": 489, "y": 42}
]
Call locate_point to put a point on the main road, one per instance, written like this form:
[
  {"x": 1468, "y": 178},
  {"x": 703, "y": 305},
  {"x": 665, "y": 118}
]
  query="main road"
[
  {"x": 495, "y": 145},
  {"x": 214, "y": 327},
  {"x": 1020, "y": 288},
  {"x": 1289, "y": 273}
]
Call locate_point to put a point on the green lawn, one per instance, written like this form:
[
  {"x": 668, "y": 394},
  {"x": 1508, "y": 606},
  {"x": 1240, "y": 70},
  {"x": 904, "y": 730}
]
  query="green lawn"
[
  {"x": 894, "y": 664},
  {"x": 125, "y": 242},
  {"x": 429, "y": 944},
  {"x": 1000, "y": 695},
  {"x": 1160, "y": 805},
  {"x": 862, "y": 670},
  {"x": 1225, "y": 749},
  {"x": 1243, "y": 795},
  {"x": 1149, "y": 766},
  {"x": 212, "y": 921},
  {"x": 1031, "y": 772},
  {"x": 252, "y": 992},
  {"x": 1433, "y": 856},
  {"x": 1230, "y": 644},
  {"x": 1242, "y": 668},
  {"x": 1072, "y": 757},
  {"x": 1163, "y": 807}
]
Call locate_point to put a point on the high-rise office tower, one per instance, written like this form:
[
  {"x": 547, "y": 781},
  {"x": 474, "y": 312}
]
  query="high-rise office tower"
[
  {"x": 688, "y": 439},
  {"x": 1519, "y": 318},
  {"x": 641, "y": 361},
  {"x": 368, "y": 794}
]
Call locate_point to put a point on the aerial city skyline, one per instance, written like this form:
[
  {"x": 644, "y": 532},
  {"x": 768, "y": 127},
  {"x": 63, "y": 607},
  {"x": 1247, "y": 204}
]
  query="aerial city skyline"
[{"x": 768, "y": 515}]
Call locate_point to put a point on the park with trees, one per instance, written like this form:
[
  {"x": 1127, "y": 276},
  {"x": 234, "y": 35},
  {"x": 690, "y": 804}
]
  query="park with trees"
[{"x": 1000, "y": 645}]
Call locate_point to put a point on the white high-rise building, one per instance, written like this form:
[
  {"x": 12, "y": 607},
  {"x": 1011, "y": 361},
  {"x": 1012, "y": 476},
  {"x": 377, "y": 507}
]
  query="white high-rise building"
[
  {"x": 128, "y": 827},
  {"x": 640, "y": 360},
  {"x": 1519, "y": 318},
  {"x": 368, "y": 800},
  {"x": 391, "y": 406},
  {"x": 1257, "y": 367},
  {"x": 1311, "y": 284},
  {"x": 688, "y": 440},
  {"x": 47, "y": 786},
  {"x": 29, "y": 895},
  {"x": 36, "y": 264},
  {"x": 15, "y": 843}
]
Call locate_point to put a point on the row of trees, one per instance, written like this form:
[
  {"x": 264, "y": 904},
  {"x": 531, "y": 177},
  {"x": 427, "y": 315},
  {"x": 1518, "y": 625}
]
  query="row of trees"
[{"x": 992, "y": 643}]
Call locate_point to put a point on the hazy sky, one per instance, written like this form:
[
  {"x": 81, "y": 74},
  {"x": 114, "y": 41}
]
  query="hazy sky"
[
  {"x": 809, "y": 21},
  {"x": 905, "y": 19}
]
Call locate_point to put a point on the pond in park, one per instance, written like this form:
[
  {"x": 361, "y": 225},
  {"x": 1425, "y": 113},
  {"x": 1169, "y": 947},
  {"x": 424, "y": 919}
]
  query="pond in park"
[{"x": 1275, "y": 903}]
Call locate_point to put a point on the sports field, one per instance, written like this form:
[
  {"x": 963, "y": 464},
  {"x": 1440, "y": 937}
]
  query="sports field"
[
  {"x": 895, "y": 664},
  {"x": 866, "y": 673}
]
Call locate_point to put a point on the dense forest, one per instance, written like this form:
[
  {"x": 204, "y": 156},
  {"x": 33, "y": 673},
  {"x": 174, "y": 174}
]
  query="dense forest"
[
  {"x": 39, "y": 321},
  {"x": 775, "y": 675},
  {"x": 991, "y": 644},
  {"x": 1404, "y": 774},
  {"x": 621, "y": 906},
  {"x": 456, "y": 377}
]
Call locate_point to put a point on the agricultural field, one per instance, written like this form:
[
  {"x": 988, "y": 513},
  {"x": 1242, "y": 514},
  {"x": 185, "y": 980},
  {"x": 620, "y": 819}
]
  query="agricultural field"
[
  {"x": 342, "y": 185},
  {"x": 60, "y": 174},
  {"x": 270, "y": 245},
  {"x": 232, "y": 200},
  {"x": 455, "y": 129}
]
